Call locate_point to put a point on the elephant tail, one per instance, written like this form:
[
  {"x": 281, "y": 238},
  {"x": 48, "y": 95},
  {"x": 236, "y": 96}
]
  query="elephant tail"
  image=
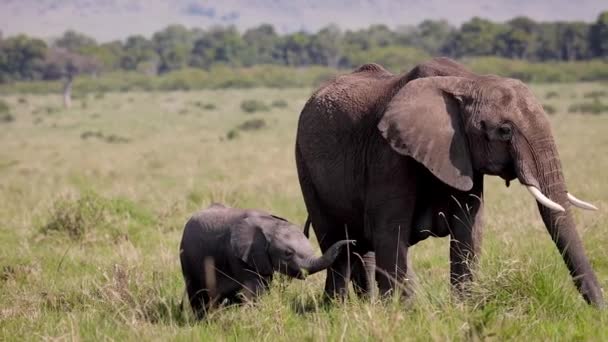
[{"x": 307, "y": 227}]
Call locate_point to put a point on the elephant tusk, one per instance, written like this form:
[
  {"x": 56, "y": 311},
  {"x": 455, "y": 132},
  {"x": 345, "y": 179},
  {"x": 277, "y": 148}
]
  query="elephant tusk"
[
  {"x": 581, "y": 204},
  {"x": 542, "y": 199}
]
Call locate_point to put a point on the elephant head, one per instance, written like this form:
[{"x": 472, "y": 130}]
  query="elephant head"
[
  {"x": 458, "y": 126},
  {"x": 270, "y": 243}
]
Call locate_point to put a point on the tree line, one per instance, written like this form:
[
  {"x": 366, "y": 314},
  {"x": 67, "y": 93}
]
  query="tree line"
[{"x": 176, "y": 47}]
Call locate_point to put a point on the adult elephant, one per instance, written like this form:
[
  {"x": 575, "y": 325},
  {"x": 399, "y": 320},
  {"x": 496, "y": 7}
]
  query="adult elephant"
[{"x": 389, "y": 160}]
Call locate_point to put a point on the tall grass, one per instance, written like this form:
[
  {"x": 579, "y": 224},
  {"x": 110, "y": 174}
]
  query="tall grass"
[{"x": 118, "y": 276}]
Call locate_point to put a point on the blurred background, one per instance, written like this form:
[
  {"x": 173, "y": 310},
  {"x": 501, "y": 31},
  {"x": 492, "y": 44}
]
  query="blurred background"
[{"x": 180, "y": 45}]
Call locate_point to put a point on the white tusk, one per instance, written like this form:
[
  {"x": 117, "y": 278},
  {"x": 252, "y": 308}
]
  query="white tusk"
[
  {"x": 543, "y": 199},
  {"x": 581, "y": 204}
]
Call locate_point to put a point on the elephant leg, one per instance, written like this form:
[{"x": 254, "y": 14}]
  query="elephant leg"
[
  {"x": 254, "y": 287},
  {"x": 391, "y": 263},
  {"x": 358, "y": 277},
  {"x": 392, "y": 220},
  {"x": 369, "y": 262},
  {"x": 338, "y": 275},
  {"x": 364, "y": 275},
  {"x": 198, "y": 298},
  {"x": 465, "y": 225},
  {"x": 327, "y": 230}
]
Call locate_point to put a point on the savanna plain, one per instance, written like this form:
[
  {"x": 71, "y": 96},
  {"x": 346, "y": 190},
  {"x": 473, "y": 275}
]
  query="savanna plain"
[{"x": 93, "y": 200}]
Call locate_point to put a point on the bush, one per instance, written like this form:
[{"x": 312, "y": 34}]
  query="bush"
[
  {"x": 217, "y": 77},
  {"x": 252, "y": 106},
  {"x": 205, "y": 106},
  {"x": 5, "y": 113},
  {"x": 592, "y": 70},
  {"x": 252, "y": 125},
  {"x": 595, "y": 107},
  {"x": 110, "y": 139},
  {"x": 551, "y": 94},
  {"x": 549, "y": 109},
  {"x": 279, "y": 104},
  {"x": 595, "y": 94},
  {"x": 51, "y": 110},
  {"x": 4, "y": 108},
  {"x": 394, "y": 58},
  {"x": 232, "y": 134},
  {"x": 6, "y": 118},
  {"x": 91, "y": 213}
]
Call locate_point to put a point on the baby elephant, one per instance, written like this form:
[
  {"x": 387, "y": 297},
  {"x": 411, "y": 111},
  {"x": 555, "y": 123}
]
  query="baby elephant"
[{"x": 228, "y": 252}]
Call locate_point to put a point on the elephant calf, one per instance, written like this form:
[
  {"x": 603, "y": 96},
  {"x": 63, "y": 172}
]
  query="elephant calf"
[{"x": 227, "y": 253}]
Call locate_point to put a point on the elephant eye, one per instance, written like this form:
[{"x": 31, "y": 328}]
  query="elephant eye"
[
  {"x": 288, "y": 253},
  {"x": 505, "y": 131}
]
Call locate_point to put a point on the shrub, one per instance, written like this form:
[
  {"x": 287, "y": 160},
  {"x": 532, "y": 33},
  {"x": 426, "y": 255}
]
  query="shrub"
[
  {"x": 592, "y": 70},
  {"x": 252, "y": 106},
  {"x": 116, "y": 139},
  {"x": 595, "y": 107},
  {"x": 551, "y": 94},
  {"x": 549, "y": 109},
  {"x": 4, "y": 108},
  {"x": 595, "y": 94},
  {"x": 279, "y": 103},
  {"x": 394, "y": 58},
  {"x": 91, "y": 213},
  {"x": 6, "y": 118},
  {"x": 232, "y": 134},
  {"x": 252, "y": 125},
  {"x": 5, "y": 113},
  {"x": 22, "y": 100},
  {"x": 205, "y": 106},
  {"x": 110, "y": 139},
  {"x": 90, "y": 134}
]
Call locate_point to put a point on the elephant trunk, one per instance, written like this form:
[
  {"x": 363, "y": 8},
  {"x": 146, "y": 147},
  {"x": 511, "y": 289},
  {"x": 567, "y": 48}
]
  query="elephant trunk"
[
  {"x": 547, "y": 177},
  {"x": 314, "y": 265}
]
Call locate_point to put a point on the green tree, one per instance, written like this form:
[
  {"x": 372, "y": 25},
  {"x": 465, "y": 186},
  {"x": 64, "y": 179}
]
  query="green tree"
[
  {"x": 107, "y": 54},
  {"x": 261, "y": 45},
  {"x": 327, "y": 47},
  {"x": 294, "y": 49},
  {"x": 137, "y": 49},
  {"x": 218, "y": 45},
  {"x": 21, "y": 58},
  {"x": 519, "y": 39},
  {"x": 74, "y": 41},
  {"x": 431, "y": 35},
  {"x": 548, "y": 42},
  {"x": 574, "y": 40},
  {"x": 599, "y": 36},
  {"x": 476, "y": 37},
  {"x": 173, "y": 46}
]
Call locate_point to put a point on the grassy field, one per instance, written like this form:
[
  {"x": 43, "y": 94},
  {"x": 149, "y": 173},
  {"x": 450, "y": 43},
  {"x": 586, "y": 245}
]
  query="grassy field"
[{"x": 93, "y": 201}]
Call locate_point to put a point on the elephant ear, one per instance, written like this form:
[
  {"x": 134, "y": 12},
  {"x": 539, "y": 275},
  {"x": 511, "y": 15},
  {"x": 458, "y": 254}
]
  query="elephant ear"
[
  {"x": 424, "y": 121},
  {"x": 249, "y": 244}
]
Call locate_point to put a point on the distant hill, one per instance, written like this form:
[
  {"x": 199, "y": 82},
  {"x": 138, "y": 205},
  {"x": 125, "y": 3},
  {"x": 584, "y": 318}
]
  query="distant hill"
[{"x": 115, "y": 19}]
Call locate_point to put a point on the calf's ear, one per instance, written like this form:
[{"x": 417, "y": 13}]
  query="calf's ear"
[{"x": 249, "y": 244}]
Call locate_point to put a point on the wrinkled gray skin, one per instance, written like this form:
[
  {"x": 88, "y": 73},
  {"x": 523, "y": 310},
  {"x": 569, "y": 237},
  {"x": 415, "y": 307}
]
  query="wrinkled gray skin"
[
  {"x": 389, "y": 160},
  {"x": 228, "y": 252}
]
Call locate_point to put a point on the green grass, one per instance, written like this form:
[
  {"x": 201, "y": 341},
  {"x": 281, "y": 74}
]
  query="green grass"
[{"x": 109, "y": 268}]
